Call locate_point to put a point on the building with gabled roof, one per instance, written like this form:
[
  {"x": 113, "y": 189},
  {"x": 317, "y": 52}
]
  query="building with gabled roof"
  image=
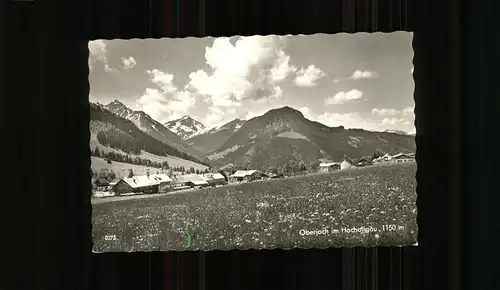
[
  {"x": 192, "y": 180},
  {"x": 403, "y": 157},
  {"x": 165, "y": 181},
  {"x": 214, "y": 178},
  {"x": 101, "y": 182},
  {"x": 247, "y": 175},
  {"x": 397, "y": 158},
  {"x": 137, "y": 184},
  {"x": 328, "y": 167}
]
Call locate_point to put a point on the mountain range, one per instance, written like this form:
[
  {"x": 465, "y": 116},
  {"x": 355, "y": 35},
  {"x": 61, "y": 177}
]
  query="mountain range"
[
  {"x": 284, "y": 135},
  {"x": 152, "y": 127},
  {"x": 277, "y": 137},
  {"x": 115, "y": 133}
]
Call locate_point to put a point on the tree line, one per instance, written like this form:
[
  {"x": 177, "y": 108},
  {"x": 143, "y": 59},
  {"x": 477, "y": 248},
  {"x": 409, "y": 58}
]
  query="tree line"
[{"x": 118, "y": 157}]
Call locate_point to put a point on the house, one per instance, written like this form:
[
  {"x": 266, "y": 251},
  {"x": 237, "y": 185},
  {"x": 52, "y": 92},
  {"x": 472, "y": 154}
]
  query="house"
[
  {"x": 247, "y": 175},
  {"x": 345, "y": 165},
  {"x": 398, "y": 158},
  {"x": 137, "y": 184},
  {"x": 191, "y": 180},
  {"x": 165, "y": 181},
  {"x": 403, "y": 157},
  {"x": 101, "y": 183},
  {"x": 328, "y": 167},
  {"x": 214, "y": 179}
]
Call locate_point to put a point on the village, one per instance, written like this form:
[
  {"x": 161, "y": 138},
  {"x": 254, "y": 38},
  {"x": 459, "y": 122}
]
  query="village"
[{"x": 174, "y": 181}]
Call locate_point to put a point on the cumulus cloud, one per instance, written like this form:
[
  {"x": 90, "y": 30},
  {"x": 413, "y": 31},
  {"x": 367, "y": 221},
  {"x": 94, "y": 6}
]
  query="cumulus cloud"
[
  {"x": 385, "y": 112},
  {"x": 128, "y": 62},
  {"x": 163, "y": 80},
  {"x": 98, "y": 52},
  {"x": 165, "y": 102},
  {"x": 344, "y": 97},
  {"x": 393, "y": 118},
  {"x": 358, "y": 74},
  {"x": 391, "y": 122},
  {"x": 378, "y": 120},
  {"x": 307, "y": 77},
  {"x": 409, "y": 111},
  {"x": 248, "y": 70}
]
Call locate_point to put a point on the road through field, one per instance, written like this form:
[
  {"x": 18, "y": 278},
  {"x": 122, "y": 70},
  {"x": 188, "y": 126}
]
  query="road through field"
[{"x": 268, "y": 214}]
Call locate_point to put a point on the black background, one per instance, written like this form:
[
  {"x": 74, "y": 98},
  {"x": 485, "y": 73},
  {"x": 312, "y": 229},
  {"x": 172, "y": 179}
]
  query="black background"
[{"x": 45, "y": 178}]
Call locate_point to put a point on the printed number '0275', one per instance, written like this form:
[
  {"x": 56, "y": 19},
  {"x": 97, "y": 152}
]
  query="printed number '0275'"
[{"x": 110, "y": 237}]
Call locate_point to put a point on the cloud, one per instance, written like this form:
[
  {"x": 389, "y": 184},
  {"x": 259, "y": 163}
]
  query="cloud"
[
  {"x": 165, "y": 102},
  {"x": 98, "y": 52},
  {"x": 305, "y": 111},
  {"x": 385, "y": 112},
  {"x": 344, "y": 97},
  {"x": 214, "y": 117},
  {"x": 409, "y": 111},
  {"x": 379, "y": 120},
  {"x": 336, "y": 81},
  {"x": 163, "y": 80},
  {"x": 307, "y": 77},
  {"x": 162, "y": 107},
  {"x": 348, "y": 120},
  {"x": 358, "y": 74},
  {"x": 248, "y": 70},
  {"x": 395, "y": 119},
  {"x": 128, "y": 62}
]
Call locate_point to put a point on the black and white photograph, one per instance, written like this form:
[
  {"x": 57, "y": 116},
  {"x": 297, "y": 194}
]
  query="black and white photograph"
[{"x": 253, "y": 142}]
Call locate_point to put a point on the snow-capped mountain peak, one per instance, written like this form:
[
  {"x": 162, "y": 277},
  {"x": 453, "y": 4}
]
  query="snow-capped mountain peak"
[
  {"x": 233, "y": 126},
  {"x": 186, "y": 127},
  {"x": 119, "y": 109}
]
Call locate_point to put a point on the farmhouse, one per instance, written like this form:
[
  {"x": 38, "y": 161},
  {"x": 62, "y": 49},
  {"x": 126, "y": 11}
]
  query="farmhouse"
[
  {"x": 398, "y": 158},
  {"x": 247, "y": 175},
  {"x": 101, "y": 183},
  {"x": 214, "y": 178},
  {"x": 191, "y": 180},
  {"x": 403, "y": 157},
  {"x": 327, "y": 167},
  {"x": 136, "y": 184},
  {"x": 165, "y": 181}
]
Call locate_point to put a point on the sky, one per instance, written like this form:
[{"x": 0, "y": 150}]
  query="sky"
[{"x": 362, "y": 80}]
